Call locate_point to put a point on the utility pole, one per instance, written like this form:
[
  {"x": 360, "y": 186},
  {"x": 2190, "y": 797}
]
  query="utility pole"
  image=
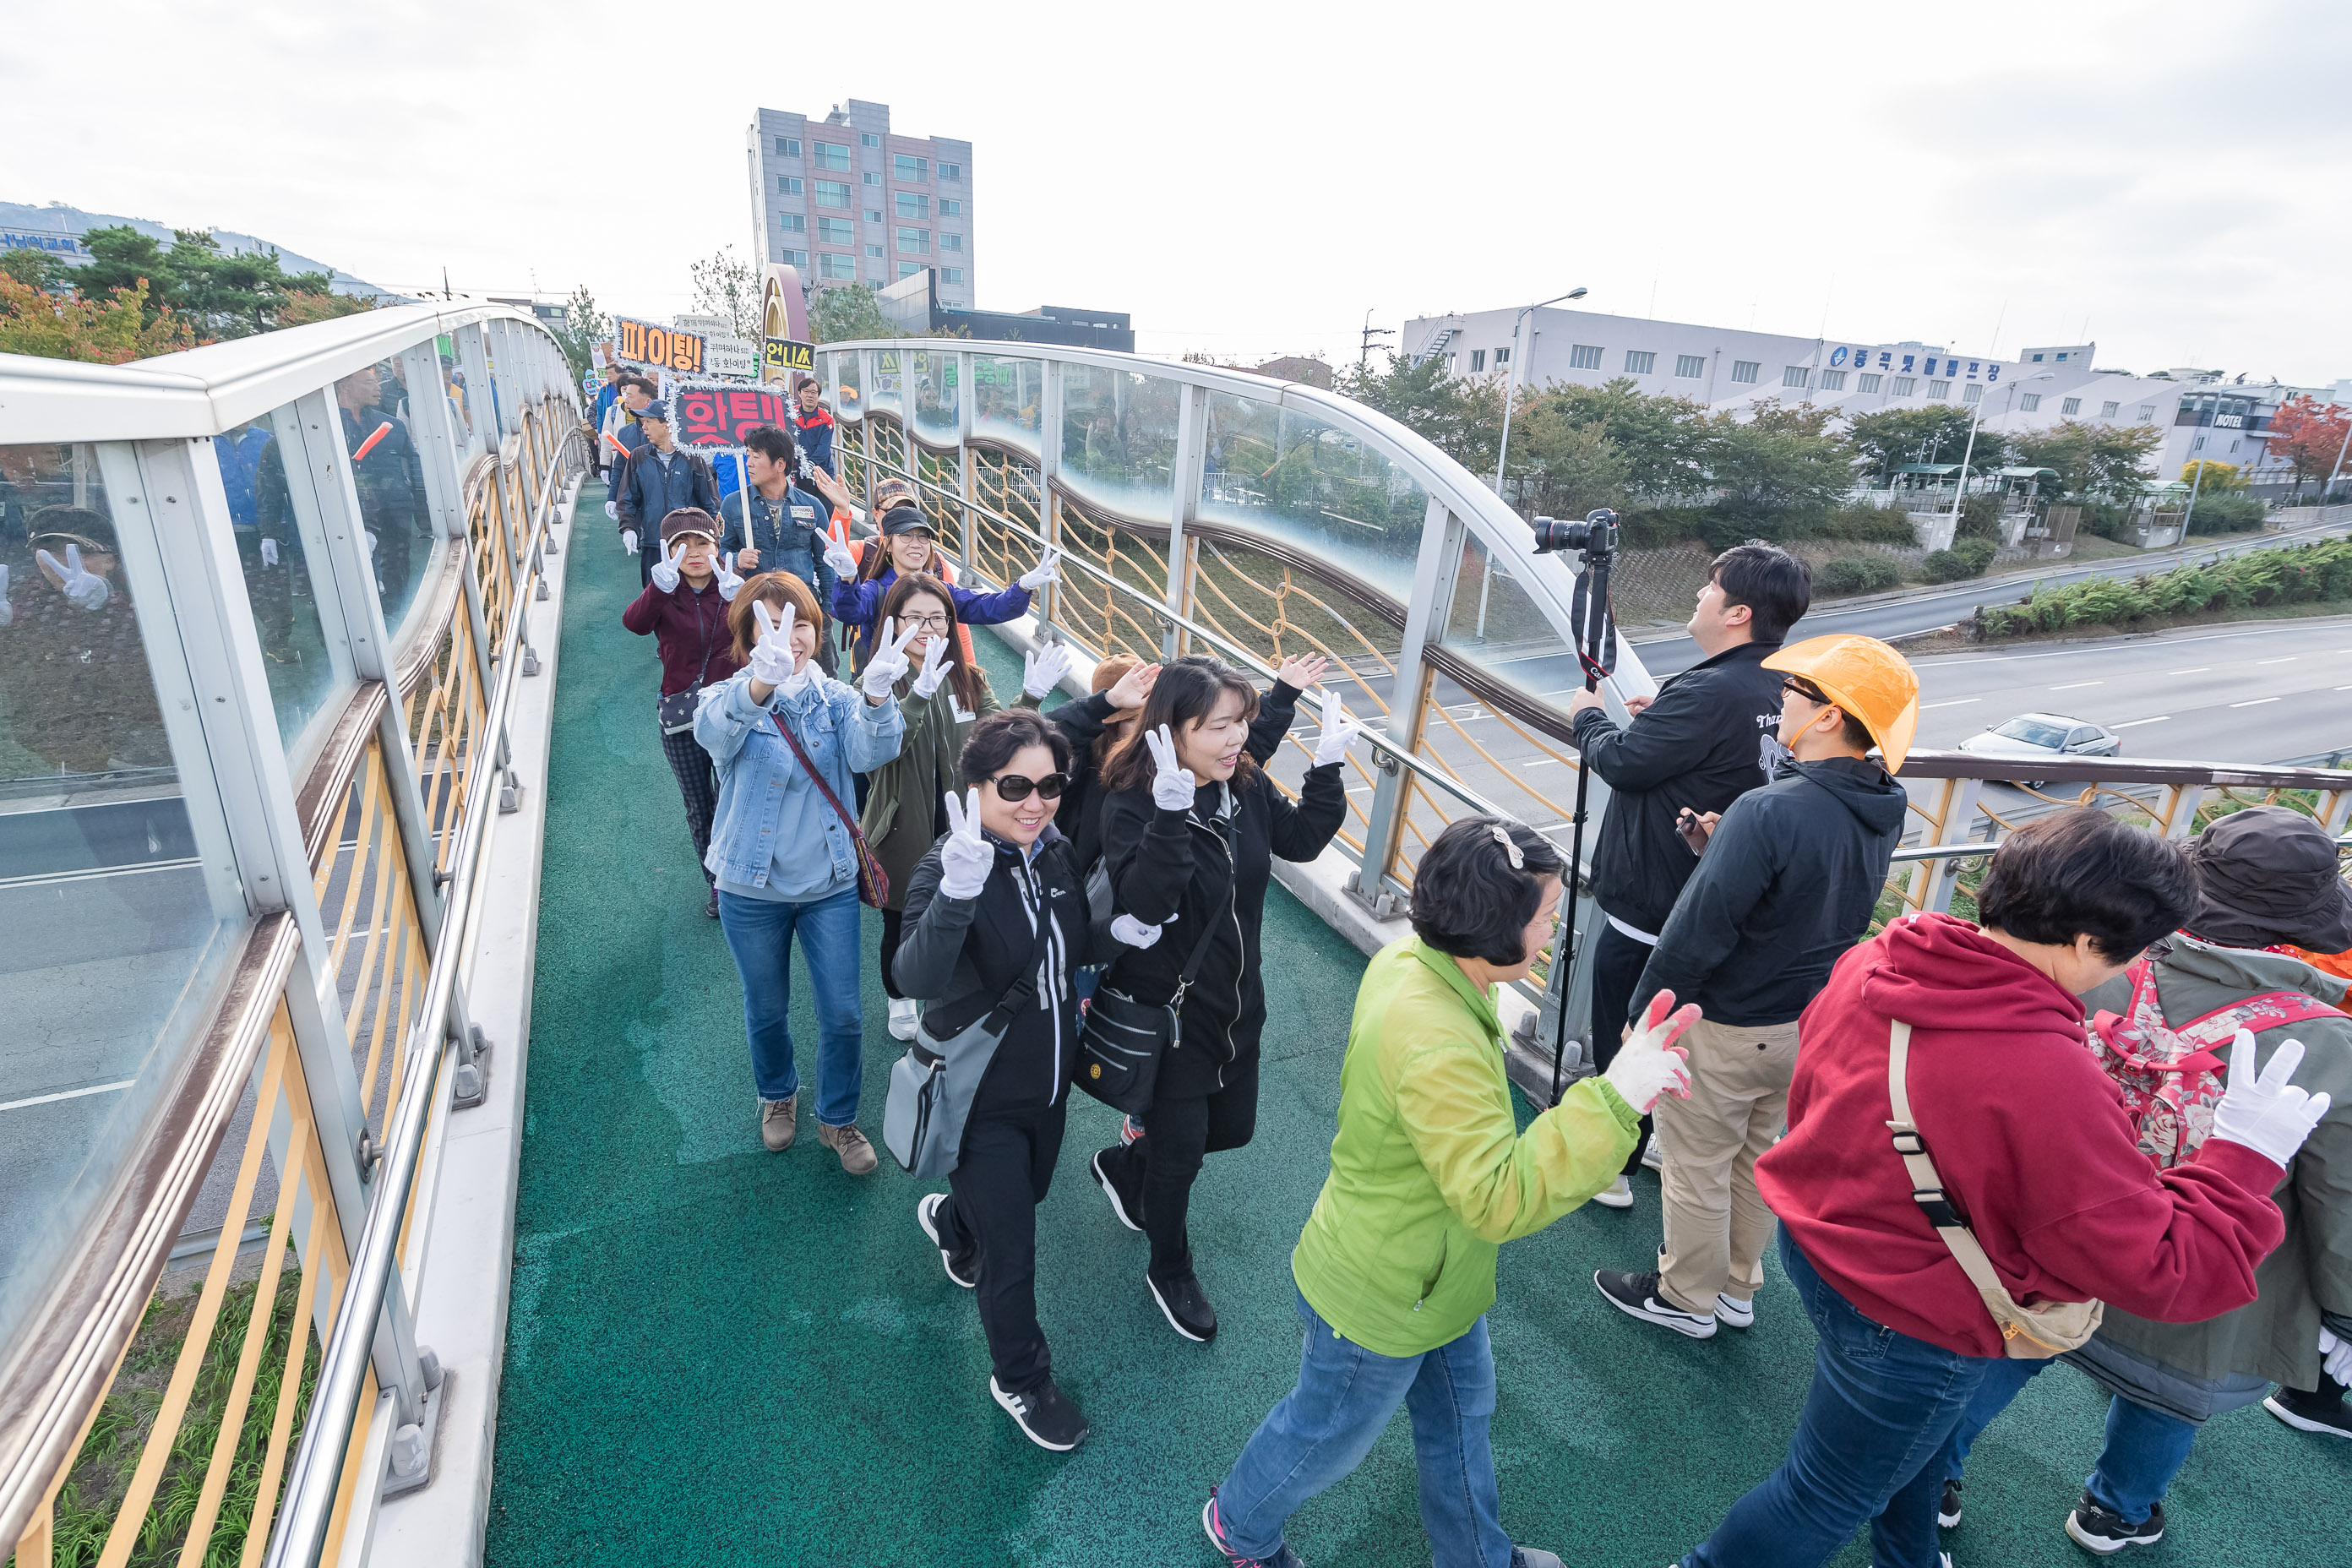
[{"x": 1364, "y": 353}]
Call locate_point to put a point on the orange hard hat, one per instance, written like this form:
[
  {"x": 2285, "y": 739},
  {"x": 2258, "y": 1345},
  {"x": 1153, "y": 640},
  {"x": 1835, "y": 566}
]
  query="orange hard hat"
[{"x": 1867, "y": 679}]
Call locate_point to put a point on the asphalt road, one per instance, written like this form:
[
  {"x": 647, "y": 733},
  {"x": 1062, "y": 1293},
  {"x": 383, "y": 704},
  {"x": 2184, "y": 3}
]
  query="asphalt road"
[{"x": 1930, "y": 608}]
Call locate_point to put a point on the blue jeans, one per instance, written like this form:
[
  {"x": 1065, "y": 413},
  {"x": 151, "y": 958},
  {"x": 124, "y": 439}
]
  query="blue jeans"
[
  {"x": 2144, "y": 1449},
  {"x": 1867, "y": 1447},
  {"x": 759, "y": 934},
  {"x": 1323, "y": 1429}
]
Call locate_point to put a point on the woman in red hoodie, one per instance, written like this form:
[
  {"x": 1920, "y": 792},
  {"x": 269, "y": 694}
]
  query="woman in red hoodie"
[{"x": 2033, "y": 1153}]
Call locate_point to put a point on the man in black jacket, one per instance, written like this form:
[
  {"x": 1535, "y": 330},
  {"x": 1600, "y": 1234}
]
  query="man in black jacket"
[
  {"x": 662, "y": 477},
  {"x": 1788, "y": 882},
  {"x": 1702, "y": 742}
]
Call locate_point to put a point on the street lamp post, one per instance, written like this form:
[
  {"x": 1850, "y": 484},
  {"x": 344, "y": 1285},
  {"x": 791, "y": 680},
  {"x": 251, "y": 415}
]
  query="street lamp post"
[
  {"x": 1960, "y": 490},
  {"x": 1510, "y": 378}
]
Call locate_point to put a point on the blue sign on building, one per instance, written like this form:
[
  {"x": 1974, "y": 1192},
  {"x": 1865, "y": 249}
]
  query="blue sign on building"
[{"x": 1838, "y": 357}]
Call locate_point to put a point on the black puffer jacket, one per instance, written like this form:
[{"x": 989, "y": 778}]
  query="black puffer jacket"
[
  {"x": 1706, "y": 739},
  {"x": 1083, "y": 720},
  {"x": 1184, "y": 870}
]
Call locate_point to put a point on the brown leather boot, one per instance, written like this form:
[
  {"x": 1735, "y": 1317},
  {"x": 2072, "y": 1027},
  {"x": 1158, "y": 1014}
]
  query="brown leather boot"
[
  {"x": 779, "y": 1121},
  {"x": 858, "y": 1156}
]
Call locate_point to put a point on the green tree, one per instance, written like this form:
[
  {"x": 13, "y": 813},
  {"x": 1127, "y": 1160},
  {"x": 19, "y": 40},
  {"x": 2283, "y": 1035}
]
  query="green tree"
[
  {"x": 848, "y": 312},
  {"x": 1780, "y": 461},
  {"x": 1891, "y": 438},
  {"x": 66, "y": 325},
  {"x": 584, "y": 327},
  {"x": 1562, "y": 468},
  {"x": 2102, "y": 462},
  {"x": 1462, "y": 419},
  {"x": 1660, "y": 440},
  {"x": 725, "y": 286}
]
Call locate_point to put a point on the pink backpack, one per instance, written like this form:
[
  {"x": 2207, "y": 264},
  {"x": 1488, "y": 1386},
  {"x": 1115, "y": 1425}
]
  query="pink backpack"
[{"x": 2170, "y": 1078}]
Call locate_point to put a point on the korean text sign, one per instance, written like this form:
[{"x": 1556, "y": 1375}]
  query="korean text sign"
[
  {"x": 709, "y": 415},
  {"x": 642, "y": 342}
]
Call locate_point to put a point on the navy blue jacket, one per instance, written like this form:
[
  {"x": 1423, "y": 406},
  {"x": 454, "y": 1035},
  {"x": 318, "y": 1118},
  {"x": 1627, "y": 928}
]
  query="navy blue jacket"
[{"x": 654, "y": 489}]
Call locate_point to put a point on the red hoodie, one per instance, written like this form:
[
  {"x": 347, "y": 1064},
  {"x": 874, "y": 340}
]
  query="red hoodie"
[{"x": 2029, "y": 1136}]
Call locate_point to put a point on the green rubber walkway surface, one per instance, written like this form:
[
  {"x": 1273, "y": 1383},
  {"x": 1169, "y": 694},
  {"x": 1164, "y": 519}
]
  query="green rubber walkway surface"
[{"x": 720, "y": 1356}]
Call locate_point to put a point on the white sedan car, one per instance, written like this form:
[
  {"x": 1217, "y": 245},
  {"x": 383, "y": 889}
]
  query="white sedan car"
[{"x": 2044, "y": 737}]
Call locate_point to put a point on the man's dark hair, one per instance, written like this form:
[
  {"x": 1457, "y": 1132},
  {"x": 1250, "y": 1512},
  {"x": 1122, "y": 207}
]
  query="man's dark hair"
[
  {"x": 1469, "y": 900},
  {"x": 2080, "y": 872},
  {"x": 651, "y": 390},
  {"x": 771, "y": 443},
  {"x": 1775, "y": 585},
  {"x": 996, "y": 740}
]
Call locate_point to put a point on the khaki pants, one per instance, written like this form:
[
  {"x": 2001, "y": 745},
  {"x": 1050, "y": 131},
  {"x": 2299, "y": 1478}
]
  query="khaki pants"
[{"x": 1716, "y": 1225}]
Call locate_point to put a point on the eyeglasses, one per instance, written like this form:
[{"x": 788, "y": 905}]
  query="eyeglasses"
[
  {"x": 925, "y": 623},
  {"x": 1013, "y": 786},
  {"x": 1806, "y": 690}
]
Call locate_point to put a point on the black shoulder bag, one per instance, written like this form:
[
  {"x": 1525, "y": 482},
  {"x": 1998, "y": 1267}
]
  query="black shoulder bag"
[
  {"x": 1123, "y": 1039},
  {"x": 676, "y": 710}
]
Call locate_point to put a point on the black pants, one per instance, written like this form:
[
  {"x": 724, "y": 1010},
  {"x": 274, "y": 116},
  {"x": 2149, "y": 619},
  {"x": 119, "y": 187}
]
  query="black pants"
[
  {"x": 1162, "y": 1164},
  {"x": 698, "y": 782},
  {"x": 893, "y": 925},
  {"x": 1617, "y": 965},
  {"x": 1001, "y": 1176}
]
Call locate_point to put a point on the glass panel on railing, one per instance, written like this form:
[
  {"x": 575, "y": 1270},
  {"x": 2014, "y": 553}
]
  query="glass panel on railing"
[
  {"x": 939, "y": 417},
  {"x": 1118, "y": 439},
  {"x": 281, "y": 545},
  {"x": 375, "y": 408},
  {"x": 884, "y": 393},
  {"x": 847, "y": 402},
  {"x": 115, "y": 890},
  {"x": 1008, "y": 400},
  {"x": 1297, "y": 479},
  {"x": 1498, "y": 627}
]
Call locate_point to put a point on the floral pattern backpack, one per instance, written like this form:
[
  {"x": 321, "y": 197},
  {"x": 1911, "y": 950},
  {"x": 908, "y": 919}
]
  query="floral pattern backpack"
[{"x": 2170, "y": 1079}]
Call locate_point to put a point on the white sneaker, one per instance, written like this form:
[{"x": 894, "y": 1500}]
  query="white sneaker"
[
  {"x": 905, "y": 1017},
  {"x": 1737, "y": 1314},
  {"x": 1650, "y": 1155},
  {"x": 1617, "y": 1195}
]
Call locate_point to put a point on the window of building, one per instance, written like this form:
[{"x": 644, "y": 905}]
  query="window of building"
[
  {"x": 867, "y": 139},
  {"x": 837, "y": 231},
  {"x": 913, "y": 203},
  {"x": 793, "y": 222},
  {"x": 832, "y": 194},
  {"x": 908, "y": 269},
  {"x": 950, "y": 207},
  {"x": 829, "y": 156},
  {"x": 1939, "y": 389},
  {"x": 2037, "y": 358},
  {"x": 788, "y": 146},
  {"x": 875, "y": 251},
  {"x": 871, "y": 177},
  {"x": 1902, "y": 387},
  {"x": 1832, "y": 380},
  {"x": 873, "y": 214},
  {"x": 913, "y": 242},
  {"x": 2107, "y": 410},
  {"x": 1639, "y": 362},
  {"x": 788, "y": 185},
  {"x": 1794, "y": 375},
  {"x": 951, "y": 242},
  {"x": 1690, "y": 367},
  {"x": 2147, "y": 413},
  {"x": 2070, "y": 407},
  {"x": 1584, "y": 356},
  {"x": 2233, "y": 448},
  {"x": 792, "y": 257},
  {"x": 2029, "y": 403},
  {"x": 831, "y": 265},
  {"x": 914, "y": 171},
  {"x": 1478, "y": 361},
  {"x": 950, "y": 274},
  {"x": 1746, "y": 369},
  {"x": 2198, "y": 445},
  {"x": 1868, "y": 382},
  {"x": 950, "y": 171},
  {"x": 1503, "y": 356}
]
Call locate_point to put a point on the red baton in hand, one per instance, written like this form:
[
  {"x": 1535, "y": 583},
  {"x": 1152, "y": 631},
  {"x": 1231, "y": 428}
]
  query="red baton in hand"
[{"x": 369, "y": 445}]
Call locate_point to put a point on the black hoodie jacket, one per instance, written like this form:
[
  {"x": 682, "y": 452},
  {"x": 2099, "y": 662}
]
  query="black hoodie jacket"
[
  {"x": 1787, "y": 883},
  {"x": 1082, "y": 722}
]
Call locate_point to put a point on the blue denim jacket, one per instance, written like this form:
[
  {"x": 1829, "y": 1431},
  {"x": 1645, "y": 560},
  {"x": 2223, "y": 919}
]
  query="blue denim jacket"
[{"x": 767, "y": 805}]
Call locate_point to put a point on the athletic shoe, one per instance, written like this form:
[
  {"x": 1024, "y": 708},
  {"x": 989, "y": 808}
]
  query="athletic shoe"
[
  {"x": 1214, "y": 1528},
  {"x": 1045, "y": 1417},
  {"x": 858, "y": 1156},
  {"x": 1947, "y": 1513},
  {"x": 963, "y": 1269},
  {"x": 1617, "y": 1195},
  {"x": 905, "y": 1017},
  {"x": 1185, "y": 1306},
  {"x": 2106, "y": 1532},
  {"x": 2310, "y": 1412},
  {"x": 779, "y": 1122},
  {"x": 1535, "y": 1557},
  {"x": 1126, "y": 1203},
  {"x": 1636, "y": 1295},
  {"x": 711, "y": 908},
  {"x": 1734, "y": 1313},
  {"x": 1651, "y": 1156}
]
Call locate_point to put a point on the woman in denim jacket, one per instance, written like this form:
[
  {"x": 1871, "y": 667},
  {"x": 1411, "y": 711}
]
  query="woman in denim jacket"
[{"x": 781, "y": 852}]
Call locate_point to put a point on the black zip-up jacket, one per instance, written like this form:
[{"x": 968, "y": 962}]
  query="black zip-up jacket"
[
  {"x": 1704, "y": 741},
  {"x": 1082, "y": 722},
  {"x": 1787, "y": 883},
  {"x": 656, "y": 488},
  {"x": 1179, "y": 870},
  {"x": 960, "y": 956}
]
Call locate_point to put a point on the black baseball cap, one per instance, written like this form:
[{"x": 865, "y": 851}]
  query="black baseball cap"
[
  {"x": 906, "y": 519},
  {"x": 657, "y": 409}
]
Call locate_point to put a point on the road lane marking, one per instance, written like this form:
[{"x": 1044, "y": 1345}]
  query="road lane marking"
[
  {"x": 2192, "y": 670},
  {"x": 2128, "y": 723},
  {"x": 2288, "y": 659},
  {"x": 2255, "y": 703},
  {"x": 1954, "y": 702},
  {"x": 2077, "y": 685},
  {"x": 67, "y": 1094}
]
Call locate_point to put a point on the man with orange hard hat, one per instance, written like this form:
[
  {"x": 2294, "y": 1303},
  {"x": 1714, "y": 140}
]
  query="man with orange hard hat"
[{"x": 1786, "y": 881}]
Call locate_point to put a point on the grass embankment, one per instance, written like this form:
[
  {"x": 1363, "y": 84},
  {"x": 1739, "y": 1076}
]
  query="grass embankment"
[{"x": 2297, "y": 580}]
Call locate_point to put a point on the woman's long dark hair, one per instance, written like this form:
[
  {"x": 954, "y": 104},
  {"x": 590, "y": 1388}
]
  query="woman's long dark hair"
[
  {"x": 967, "y": 681},
  {"x": 1187, "y": 691}
]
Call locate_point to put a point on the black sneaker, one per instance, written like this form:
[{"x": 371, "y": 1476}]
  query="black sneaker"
[
  {"x": 1947, "y": 1513},
  {"x": 1186, "y": 1307},
  {"x": 1126, "y": 1198},
  {"x": 2106, "y": 1532},
  {"x": 2321, "y": 1413},
  {"x": 1045, "y": 1417},
  {"x": 964, "y": 1268},
  {"x": 711, "y": 909},
  {"x": 1636, "y": 1295}
]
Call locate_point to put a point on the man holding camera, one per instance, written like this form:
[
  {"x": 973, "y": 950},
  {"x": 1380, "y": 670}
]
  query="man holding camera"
[{"x": 1705, "y": 739}]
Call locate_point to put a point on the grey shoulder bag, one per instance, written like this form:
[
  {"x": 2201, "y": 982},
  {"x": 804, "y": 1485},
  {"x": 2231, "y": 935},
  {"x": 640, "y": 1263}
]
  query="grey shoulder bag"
[{"x": 932, "y": 1086}]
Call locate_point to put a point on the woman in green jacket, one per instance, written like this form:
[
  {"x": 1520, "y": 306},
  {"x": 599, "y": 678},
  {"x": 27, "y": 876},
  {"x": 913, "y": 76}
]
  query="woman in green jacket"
[
  {"x": 941, "y": 698},
  {"x": 1429, "y": 1175}
]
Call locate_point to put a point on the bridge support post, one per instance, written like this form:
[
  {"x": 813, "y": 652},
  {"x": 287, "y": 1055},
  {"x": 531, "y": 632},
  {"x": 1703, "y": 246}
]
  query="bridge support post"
[{"x": 1435, "y": 573}]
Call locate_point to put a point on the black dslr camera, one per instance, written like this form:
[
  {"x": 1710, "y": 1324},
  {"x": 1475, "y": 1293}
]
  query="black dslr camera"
[{"x": 1596, "y": 536}]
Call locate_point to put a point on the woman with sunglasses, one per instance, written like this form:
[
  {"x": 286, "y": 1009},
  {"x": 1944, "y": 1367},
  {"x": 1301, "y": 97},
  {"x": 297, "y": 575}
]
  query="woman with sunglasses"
[
  {"x": 996, "y": 894},
  {"x": 941, "y": 695}
]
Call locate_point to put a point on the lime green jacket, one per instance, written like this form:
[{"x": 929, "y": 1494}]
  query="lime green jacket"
[{"x": 1429, "y": 1173}]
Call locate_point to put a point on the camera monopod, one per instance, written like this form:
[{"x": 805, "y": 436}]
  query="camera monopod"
[{"x": 1595, "y": 541}]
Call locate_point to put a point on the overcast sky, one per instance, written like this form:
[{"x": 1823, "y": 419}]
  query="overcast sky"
[{"x": 1248, "y": 179}]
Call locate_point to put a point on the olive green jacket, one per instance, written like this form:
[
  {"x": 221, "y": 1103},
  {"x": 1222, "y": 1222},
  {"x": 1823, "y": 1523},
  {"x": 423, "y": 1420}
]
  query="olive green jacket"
[
  {"x": 1429, "y": 1173},
  {"x": 902, "y": 806}
]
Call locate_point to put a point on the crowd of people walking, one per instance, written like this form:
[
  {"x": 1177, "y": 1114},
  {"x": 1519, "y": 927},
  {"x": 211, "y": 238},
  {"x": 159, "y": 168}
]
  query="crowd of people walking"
[{"x": 2106, "y": 1121}]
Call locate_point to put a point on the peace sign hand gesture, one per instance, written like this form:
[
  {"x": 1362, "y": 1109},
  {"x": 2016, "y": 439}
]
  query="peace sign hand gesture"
[
  {"x": 665, "y": 571},
  {"x": 889, "y": 665},
  {"x": 1172, "y": 787},
  {"x": 935, "y": 667},
  {"x": 965, "y": 858},
  {"x": 1339, "y": 730},
  {"x": 729, "y": 583},
  {"x": 82, "y": 590},
  {"x": 774, "y": 663},
  {"x": 1044, "y": 572}
]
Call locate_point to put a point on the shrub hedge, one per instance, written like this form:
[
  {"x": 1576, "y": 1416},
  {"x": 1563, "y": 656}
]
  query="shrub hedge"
[
  {"x": 1856, "y": 574},
  {"x": 2301, "y": 574}
]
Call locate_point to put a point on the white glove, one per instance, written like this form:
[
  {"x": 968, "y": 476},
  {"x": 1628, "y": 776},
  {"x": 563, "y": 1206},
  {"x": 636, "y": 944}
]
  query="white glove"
[
  {"x": 965, "y": 858},
  {"x": 889, "y": 665},
  {"x": 1339, "y": 730},
  {"x": 270, "y": 553},
  {"x": 2335, "y": 1356},
  {"x": 82, "y": 591},
  {"x": 2267, "y": 1113},
  {"x": 613, "y": 510},
  {"x": 1042, "y": 669},
  {"x": 1172, "y": 787},
  {"x": 728, "y": 582},
  {"x": 837, "y": 556},
  {"x": 1044, "y": 572},
  {"x": 665, "y": 569},
  {"x": 935, "y": 667},
  {"x": 772, "y": 663},
  {"x": 369, "y": 535},
  {"x": 1649, "y": 1063},
  {"x": 1133, "y": 931},
  {"x": 628, "y": 542}
]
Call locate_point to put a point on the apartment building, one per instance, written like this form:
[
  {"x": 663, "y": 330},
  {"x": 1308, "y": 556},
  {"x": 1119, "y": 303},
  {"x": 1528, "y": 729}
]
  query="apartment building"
[{"x": 847, "y": 200}]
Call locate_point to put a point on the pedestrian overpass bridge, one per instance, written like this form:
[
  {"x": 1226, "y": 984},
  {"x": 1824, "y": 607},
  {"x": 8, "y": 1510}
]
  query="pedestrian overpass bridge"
[{"x": 380, "y": 1178}]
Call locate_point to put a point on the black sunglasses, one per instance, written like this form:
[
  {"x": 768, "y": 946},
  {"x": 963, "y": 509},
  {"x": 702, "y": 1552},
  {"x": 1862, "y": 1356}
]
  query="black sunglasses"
[
  {"x": 1013, "y": 786},
  {"x": 1805, "y": 689}
]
